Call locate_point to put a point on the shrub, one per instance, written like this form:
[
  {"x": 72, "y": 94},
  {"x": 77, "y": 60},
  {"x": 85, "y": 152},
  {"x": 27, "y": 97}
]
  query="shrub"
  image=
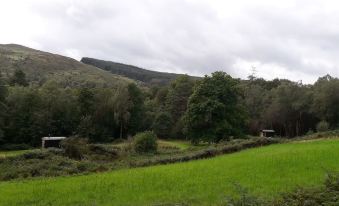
[
  {"x": 145, "y": 142},
  {"x": 314, "y": 196},
  {"x": 75, "y": 147},
  {"x": 310, "y": 132},
  {"x": 322, "y": 126}
]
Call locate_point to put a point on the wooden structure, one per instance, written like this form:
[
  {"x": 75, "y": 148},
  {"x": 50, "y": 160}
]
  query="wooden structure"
[
  {"x": 52, "y": 142},
  {"x": 267, "y": 133}
]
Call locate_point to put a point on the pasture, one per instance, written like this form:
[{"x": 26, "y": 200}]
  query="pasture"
[{"x": 265, "y": 171}]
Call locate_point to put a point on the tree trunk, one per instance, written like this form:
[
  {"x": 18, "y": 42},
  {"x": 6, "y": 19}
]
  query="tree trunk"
[{"x": 121, "y": 130}]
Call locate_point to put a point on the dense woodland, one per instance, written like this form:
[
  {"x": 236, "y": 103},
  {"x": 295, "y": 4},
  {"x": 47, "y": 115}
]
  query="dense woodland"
[{"x": 213, "y": 108}]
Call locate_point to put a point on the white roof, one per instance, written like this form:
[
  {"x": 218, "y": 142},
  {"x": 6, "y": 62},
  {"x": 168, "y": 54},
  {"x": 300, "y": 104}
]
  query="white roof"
[
  {"x": 267, "y": 130},
  {"x": 53, "y": 138}
]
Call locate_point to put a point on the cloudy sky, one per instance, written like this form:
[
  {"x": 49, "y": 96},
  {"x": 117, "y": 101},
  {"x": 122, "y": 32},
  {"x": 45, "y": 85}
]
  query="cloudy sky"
[{"x": 294, "y": 39}]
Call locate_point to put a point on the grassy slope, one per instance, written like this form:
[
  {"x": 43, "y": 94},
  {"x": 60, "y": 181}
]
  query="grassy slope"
[
  {"x": 42, "y": 66},
  {"x": 265, "y": 171}
]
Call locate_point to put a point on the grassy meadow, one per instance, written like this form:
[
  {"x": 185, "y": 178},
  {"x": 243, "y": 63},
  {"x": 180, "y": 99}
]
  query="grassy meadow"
[
  {"x": 265, "y": 171},
  {"x": 4, "y": 154}
]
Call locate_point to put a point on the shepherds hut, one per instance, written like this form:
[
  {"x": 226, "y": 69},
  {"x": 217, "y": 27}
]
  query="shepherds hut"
[
  {"x": 52, "y": 142},
  {"x": 267, "y": 133}
]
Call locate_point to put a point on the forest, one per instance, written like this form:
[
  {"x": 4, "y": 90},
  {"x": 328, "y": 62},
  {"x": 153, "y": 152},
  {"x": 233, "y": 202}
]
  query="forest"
[{"x": 214, "y": 108}]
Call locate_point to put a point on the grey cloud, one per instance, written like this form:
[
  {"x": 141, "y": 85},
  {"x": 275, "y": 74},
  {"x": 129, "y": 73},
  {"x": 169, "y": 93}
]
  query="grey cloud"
[{"x": 194, "y": 37}]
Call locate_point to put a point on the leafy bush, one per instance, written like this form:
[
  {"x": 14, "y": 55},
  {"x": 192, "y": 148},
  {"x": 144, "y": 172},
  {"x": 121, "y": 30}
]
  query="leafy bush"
[
  {"x": 244, "y": 198},
  {"x": 75, "y": 147},
  {"x": 326, "y": 195},
  {"x": 145, "y": 142},
  {"x": 322, "y": 126}
]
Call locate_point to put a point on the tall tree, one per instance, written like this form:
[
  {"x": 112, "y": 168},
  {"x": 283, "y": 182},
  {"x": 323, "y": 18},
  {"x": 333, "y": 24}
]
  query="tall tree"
[
  {"x": 176, "y": 102},
  {"x": 213, "y": 110},
  {"x": 3, "y": 107},
  {"x": 122, "y": 106},
  {"x": 137, "y": 109},
  {"x": 326, "y": 100}
]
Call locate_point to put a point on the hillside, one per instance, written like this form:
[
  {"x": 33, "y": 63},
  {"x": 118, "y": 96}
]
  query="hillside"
[
  {"x": 146, "y": 76},
  {"x": 265, "y": 171},
  {"x": 41, "y": 66}
]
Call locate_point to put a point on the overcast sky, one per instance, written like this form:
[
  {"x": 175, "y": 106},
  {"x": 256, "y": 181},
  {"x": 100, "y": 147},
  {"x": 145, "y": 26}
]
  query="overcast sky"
[{"x": 298, "y": 40}]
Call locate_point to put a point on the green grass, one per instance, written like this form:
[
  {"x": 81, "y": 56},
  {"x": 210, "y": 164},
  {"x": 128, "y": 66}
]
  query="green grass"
[
  {"x": 4, "y": 154},
  {"x": 266, "y": 171},
  {"x": 180, "y": 144}
]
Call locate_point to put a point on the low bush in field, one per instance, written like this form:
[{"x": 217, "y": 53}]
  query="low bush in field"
[
  {"x": 328, "y": 195},
  {"x": 322, "y": 126},
  {"x": 145, "y": 142},
  {"x": 75, "y": 147},
  {"x": 78, "y": 149},
  {"x": 317, "y": 135}
]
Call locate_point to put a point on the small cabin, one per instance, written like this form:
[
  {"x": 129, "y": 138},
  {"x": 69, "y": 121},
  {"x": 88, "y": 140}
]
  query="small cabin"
[
  {"x": 48, "y": 142},
  {"x": 267, "y": 133}
]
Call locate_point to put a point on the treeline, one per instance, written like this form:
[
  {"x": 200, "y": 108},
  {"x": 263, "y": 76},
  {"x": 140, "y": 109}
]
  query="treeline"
[
  {"x": 214, "y": 108},
  {"x": 291, "y": 108},
  {"x": 99, "y": 114}
]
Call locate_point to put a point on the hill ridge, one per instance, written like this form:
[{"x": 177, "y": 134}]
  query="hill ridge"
[
  {"x": 41, "y": 66},
  {"x": 146, "y": 76}
]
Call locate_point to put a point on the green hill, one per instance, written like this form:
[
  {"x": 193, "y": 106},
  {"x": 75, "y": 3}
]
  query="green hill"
[
  {"x": 41, "y": 66},
  {"x": 265, "y": 171},
  {"x": 143, "y": 75}
]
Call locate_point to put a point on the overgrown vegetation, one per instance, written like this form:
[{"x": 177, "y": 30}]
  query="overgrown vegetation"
[
  {"x": 79, "y": 157},
  {"x": 328, "y": 194},
  {"x": 145, "y": 142}
]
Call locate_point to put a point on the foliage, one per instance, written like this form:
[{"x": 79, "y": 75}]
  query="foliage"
[
  {"x": 122, "y": 106},
  {"x": 162, "y": 125},
  {"x": 47, "y": 163},
  {"x": 213, "y": 109},
  {"x": 313, "y": 196},
  {"x": 145, "y": 142},
  {"x": 176, "y": 102},
  {"x": 18, "y": 78},
  {"x": 3, "y": 108},
  {"x": 322, "y": 126},
  {"x": 75, "y": 147},
  {"x": 137, "y": 109}
]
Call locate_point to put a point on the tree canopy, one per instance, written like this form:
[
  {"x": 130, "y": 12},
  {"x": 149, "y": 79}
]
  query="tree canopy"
[{"x": 214, "y": 112}]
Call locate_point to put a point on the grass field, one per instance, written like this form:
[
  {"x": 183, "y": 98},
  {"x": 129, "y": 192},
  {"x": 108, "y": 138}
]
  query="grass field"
[
  {"x": 265, "y": 171},
  {"x": 4, "y": 154}
]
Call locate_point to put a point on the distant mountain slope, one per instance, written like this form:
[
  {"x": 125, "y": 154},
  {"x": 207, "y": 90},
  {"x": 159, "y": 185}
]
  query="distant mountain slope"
[
  {"x": 41, "y": 66},
  {"x": 146, "y": 76}
]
